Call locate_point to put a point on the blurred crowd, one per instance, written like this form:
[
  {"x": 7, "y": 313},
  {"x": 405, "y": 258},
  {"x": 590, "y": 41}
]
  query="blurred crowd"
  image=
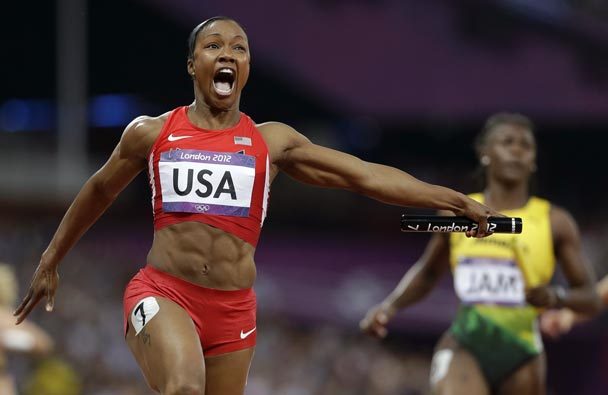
[{"x": 326, "y": 360}]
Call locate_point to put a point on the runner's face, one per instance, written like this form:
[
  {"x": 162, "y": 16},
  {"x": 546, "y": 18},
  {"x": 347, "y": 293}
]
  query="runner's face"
[
  {"x": 220, "y": 63},
  {"x": 512, "y": 153}
]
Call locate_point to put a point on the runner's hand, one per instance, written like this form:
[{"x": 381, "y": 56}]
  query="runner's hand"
[
  {"x": 375, "y": 321},
  {"x": 479, "y": 214},
  {"x": 44, "y": 284},
  {"x": 542, "y": 296},
  {"x": 555, "y": 323}
]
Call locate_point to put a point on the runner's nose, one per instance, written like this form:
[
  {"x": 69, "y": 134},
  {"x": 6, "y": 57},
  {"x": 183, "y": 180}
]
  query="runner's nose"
[{"x": 226, "y": 58}]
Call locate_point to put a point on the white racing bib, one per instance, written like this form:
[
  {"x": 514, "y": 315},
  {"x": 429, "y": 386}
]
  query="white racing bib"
[
  {"x": 489, "y": 281},
  {"x": 206, "y": 182}
]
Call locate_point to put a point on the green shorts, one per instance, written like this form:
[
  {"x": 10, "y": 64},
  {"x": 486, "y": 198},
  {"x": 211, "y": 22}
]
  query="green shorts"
[{"x": 498, "y": 350}]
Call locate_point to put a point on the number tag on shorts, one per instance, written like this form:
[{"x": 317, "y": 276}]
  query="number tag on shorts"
[
  {"x": 143, "y": 312},
  {"x": 440, "y": 365},
  {"x": 489, "y": 281},
  {"x": 206, "y": 182}
]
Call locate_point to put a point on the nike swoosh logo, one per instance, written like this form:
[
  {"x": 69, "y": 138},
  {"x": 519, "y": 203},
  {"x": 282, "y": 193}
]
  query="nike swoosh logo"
[
  {"x": 175, "y": 138},
  {"x": 245, "y": 334}
]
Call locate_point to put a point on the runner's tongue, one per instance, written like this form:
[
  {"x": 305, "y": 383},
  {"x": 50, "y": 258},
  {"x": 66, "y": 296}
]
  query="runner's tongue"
[{"x": 222, "y": 86}]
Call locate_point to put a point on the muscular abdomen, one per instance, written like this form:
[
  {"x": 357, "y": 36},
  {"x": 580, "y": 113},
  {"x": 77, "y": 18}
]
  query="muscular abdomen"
[{"x": 203, "y": 255}]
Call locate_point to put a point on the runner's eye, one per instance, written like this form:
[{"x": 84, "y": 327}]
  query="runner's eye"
[
  {"x": 507, "y": 141},
  {"x": 527, "y": 145}
]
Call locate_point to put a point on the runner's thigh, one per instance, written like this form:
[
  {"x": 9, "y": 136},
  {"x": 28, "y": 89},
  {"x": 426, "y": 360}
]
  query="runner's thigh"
[
  {"x": 529, "y": 379},
  {"x": 455, "y": 371},
  {"x": 167, "y": 348},
  {"x": 227, "y": 373}
]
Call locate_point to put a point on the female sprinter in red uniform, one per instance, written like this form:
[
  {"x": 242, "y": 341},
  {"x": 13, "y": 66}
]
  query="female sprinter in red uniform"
[{"x": 190, "y": 314}]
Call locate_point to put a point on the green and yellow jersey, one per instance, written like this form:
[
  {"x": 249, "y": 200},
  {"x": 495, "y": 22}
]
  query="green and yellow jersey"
[{"x": 491, "y": 276}]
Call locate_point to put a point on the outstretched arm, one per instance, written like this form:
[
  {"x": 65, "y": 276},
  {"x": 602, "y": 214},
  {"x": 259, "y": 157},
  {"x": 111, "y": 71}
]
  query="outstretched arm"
[
  {"x": 316, "y": 165},
  {"x": 582, "y": 296},
  {"x": 97, "y": 194},
  {"x": 414, "y": 286}
]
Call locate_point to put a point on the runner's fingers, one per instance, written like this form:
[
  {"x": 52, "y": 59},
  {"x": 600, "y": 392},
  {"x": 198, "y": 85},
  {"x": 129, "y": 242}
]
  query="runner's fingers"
[
  {"x": 364, "y": 325},
  {"x": 482, "y": 227},
  {"x": 28, "y": 308},
  {"x": 377, "y": 329},
  {"x": 50, "y": 292},
  {"x": 538, "y": 296},
  {"x": 25, "y": 301}
]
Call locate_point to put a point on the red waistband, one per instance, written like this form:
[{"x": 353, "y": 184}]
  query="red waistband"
[{"x": 158, "y": 276}]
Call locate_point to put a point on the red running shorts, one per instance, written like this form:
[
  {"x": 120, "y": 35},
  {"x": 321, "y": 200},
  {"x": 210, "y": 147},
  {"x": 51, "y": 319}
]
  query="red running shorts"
[{"x": 225, "y": 320}]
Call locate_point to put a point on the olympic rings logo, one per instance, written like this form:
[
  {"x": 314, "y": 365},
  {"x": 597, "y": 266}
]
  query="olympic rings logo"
[{"x": 202, "y": 208}]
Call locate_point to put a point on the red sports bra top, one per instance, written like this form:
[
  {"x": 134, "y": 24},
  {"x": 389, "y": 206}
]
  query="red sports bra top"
[{"x": 217, "y": 177}]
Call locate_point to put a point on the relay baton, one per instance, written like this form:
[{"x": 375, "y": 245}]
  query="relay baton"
[{"x": 446, "y": 224}]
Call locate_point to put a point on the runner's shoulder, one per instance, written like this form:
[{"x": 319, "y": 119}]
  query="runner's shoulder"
[
  {"x": 145, "y": 125},
  {"x": 563, "y": 225},
  {"x": 141, "y": 132}
]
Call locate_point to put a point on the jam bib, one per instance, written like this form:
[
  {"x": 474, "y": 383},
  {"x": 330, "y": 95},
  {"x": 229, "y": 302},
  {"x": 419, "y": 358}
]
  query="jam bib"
[{"x": 489, "y": 281}]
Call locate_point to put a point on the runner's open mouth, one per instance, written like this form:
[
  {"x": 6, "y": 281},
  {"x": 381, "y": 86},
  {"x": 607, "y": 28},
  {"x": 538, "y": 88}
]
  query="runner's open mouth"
[{"x": 223, "y": 81}]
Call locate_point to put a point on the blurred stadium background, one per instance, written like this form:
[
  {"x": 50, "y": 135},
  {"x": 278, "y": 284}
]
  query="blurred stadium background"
[{"x": 402, "y": 82}]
